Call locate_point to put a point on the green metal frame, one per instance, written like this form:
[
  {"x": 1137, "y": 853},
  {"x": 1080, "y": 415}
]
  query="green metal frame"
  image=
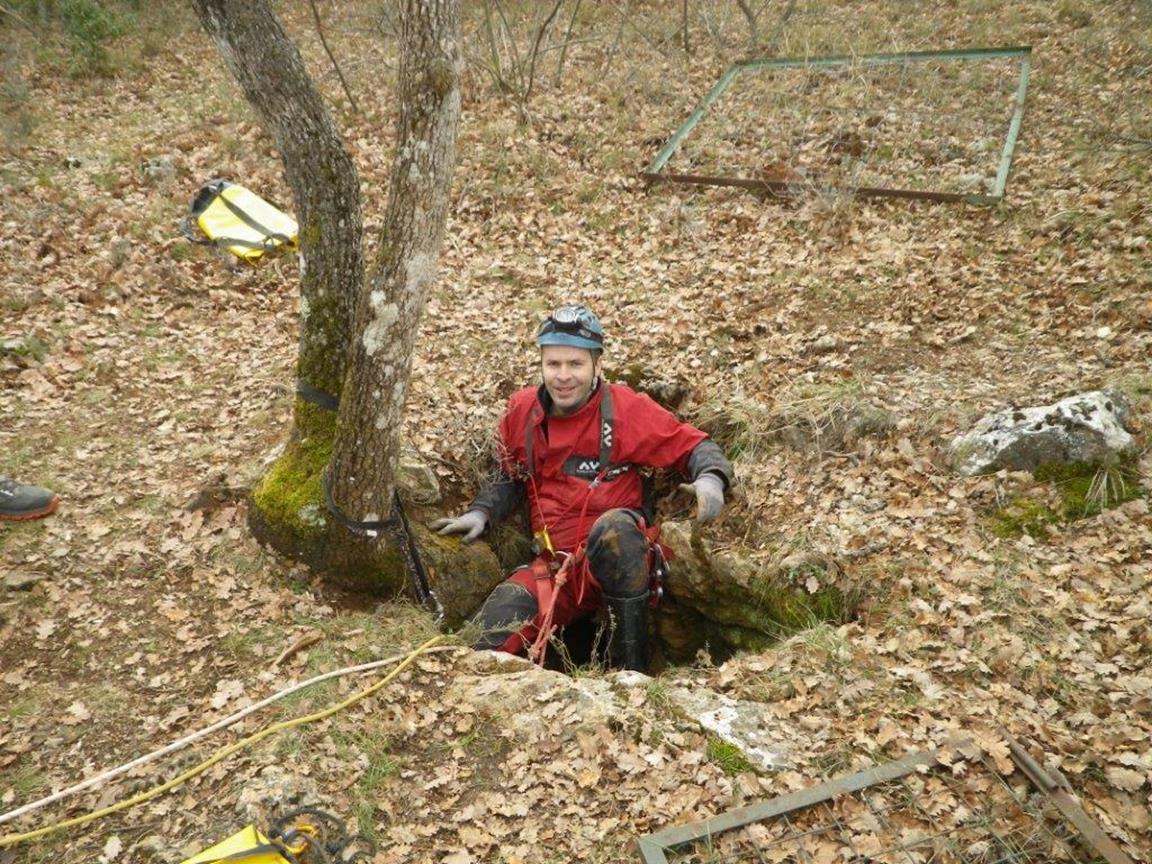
[{"x": 655, "y": 171}]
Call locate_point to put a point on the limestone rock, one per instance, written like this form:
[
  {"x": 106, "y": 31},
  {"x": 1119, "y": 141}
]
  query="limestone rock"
[
  {"x": 666, "y": 390},
  {"x": 833, "y": 428},
  {"x": 273, "y": 792},
  {"x": 417, "y": 479},
  {"x": 746, "y": 725},
  {"x": 733, "y": 600},
  {"x": 526, "y": 698},
  {"x": 22, "y": 580},
  {"x": 158, "y": 169},
  {"x": 1089, "y": 428}
]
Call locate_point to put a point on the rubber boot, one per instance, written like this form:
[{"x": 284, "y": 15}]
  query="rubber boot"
[
  {"x": 508, "y": 608},
  {"x": 630, "y": 631}
]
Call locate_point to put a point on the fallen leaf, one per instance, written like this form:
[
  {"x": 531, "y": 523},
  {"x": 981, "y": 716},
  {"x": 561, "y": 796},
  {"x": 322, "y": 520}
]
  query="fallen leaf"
[{"x": 1125, "y": 778}]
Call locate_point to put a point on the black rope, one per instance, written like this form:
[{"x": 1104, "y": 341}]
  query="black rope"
[
  {"x": 398, "y": 521},
  {"x": 420, "y": 584},
  {"x": 332, "y": 841}
]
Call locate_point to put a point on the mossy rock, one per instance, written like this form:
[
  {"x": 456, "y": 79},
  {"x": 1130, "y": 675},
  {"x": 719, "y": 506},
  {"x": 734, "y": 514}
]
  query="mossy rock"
[
  {"x": 747, "y": 604},
  {"x": 728, "y": 757},
  {"x": 669, "y": 392},
  {"x": 288, "y": 513},
  {"x": 461, "y": 574}
]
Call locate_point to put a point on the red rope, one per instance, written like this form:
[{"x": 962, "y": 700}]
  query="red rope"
[{"x": 539, "y": 647}]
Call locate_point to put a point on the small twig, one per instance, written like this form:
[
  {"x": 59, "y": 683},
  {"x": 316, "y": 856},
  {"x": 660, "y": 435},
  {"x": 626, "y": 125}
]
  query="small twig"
[
  {"x": 332, "y": 57},
  {"x": 303, "y": 641},
  {"x": 1138, "y": 143},
  {"x": 610, "y": 54},
  {"x": 753, "y": 24},
  {"x": 536, "y": 48},
  {"x": 687, "y": 47},
  {"x": 567, "y": 42}
]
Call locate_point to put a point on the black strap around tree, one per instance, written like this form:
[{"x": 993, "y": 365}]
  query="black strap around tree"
[
  {"x": 363, "y": 529},
  {"x": 317, "y": 397},
  {"x": 397, "y": 521},
  {"x": 398, "y": 524}
]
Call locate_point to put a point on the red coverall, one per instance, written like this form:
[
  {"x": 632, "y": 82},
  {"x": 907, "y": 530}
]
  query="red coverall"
[{"x": 557, "y": 458}]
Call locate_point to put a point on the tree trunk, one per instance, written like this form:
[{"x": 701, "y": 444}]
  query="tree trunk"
[
  {"x": 287, "y": 505},
  {"x": 390, "y": 305},
  {"x": 356, "y": 339}
]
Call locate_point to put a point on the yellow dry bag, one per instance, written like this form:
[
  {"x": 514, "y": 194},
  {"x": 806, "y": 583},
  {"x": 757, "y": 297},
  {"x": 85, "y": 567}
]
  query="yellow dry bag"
[
  {"x": 242, "y": 222},
  {"x": 248, "y": 846}
]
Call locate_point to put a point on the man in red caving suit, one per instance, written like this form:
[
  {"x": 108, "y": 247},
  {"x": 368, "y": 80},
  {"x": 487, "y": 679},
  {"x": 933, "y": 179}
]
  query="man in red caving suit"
[{"x": 573, "y": 448}]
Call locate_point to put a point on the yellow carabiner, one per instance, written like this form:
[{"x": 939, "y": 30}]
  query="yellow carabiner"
[
  {"x": 305, "y": 835},
  {"x": 544, "y": 542}
]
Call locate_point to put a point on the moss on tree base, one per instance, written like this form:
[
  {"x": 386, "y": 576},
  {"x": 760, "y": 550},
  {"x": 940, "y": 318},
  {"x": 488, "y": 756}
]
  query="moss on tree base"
[{"x": 288, "y": 514}]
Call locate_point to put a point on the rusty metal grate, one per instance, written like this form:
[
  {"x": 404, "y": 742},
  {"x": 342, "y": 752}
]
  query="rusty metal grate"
[{"x": 912, "y": 811}]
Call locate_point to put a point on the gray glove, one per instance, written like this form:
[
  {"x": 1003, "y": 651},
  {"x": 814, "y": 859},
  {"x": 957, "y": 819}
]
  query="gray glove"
[
  {"x": 709, "y": 491},
  {"x": 471, "y": 525}
]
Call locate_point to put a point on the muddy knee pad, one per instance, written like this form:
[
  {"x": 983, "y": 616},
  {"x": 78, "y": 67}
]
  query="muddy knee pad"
[
  {"x": 618, "y": 554},
  {"x": 508, "y": 608}
]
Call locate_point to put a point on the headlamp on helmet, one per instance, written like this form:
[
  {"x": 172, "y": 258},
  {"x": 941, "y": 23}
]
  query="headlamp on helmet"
[{"x": 574, "y": 326}]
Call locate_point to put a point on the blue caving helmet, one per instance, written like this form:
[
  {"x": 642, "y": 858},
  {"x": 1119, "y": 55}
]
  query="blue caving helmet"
[{"x": 574, "y": 326}]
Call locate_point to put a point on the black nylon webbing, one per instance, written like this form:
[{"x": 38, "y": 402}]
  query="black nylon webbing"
[
  {"x": 317, "y": 397},
  {"x": 363, "y": 529},
  {"x": 252, "y": 223},
  {"x": 607, "y": 428}
]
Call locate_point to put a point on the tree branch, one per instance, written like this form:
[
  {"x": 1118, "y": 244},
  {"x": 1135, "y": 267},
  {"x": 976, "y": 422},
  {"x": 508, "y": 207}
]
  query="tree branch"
[{"x": 332, "y": 57}]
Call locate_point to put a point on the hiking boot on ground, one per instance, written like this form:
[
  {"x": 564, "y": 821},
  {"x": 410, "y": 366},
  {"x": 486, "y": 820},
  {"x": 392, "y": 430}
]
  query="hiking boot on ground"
[{"x": 19, "y": 502}]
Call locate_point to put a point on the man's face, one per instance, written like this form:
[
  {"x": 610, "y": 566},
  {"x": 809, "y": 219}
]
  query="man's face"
[{"x": 569, "y": 375}]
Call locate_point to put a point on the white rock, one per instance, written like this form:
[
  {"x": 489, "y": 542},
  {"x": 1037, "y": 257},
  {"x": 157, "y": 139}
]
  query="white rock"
[
  {"x": 1089, "y": 427},
  {"x": 745, "y": 725}
]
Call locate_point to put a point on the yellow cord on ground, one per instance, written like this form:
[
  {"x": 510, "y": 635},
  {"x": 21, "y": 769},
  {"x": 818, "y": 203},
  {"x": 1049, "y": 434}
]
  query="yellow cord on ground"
[{"x": 219, "y": 755}]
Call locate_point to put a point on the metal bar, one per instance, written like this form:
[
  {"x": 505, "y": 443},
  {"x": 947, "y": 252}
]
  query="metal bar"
[
  {"x": 1014, "y": 126},
  {"x": 886, "y": 58},
  {"x": 1024, "y": 806},
  {"x": 793, "y": 187},
  {"x": 681, "y": 834},
  {"x": 651, "y": 851},
  {"x": 653, "y": 847},
  {"x": 1067, "y": 805},
  {"x": 680, "y": 134}
]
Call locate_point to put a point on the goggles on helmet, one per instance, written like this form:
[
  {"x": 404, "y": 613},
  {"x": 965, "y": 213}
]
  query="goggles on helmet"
[{"x": 575, "y": 320}]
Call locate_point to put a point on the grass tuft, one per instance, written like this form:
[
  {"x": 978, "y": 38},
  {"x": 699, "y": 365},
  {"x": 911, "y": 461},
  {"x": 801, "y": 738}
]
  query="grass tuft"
[{"x": 728, "y": 757}]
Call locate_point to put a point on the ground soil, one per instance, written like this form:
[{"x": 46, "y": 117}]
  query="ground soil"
[{"x": 147, "y": 380}]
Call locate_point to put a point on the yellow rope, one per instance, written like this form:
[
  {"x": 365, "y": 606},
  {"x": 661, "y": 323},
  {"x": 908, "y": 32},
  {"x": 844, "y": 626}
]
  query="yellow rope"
[{"x": 219, "y": 755}]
